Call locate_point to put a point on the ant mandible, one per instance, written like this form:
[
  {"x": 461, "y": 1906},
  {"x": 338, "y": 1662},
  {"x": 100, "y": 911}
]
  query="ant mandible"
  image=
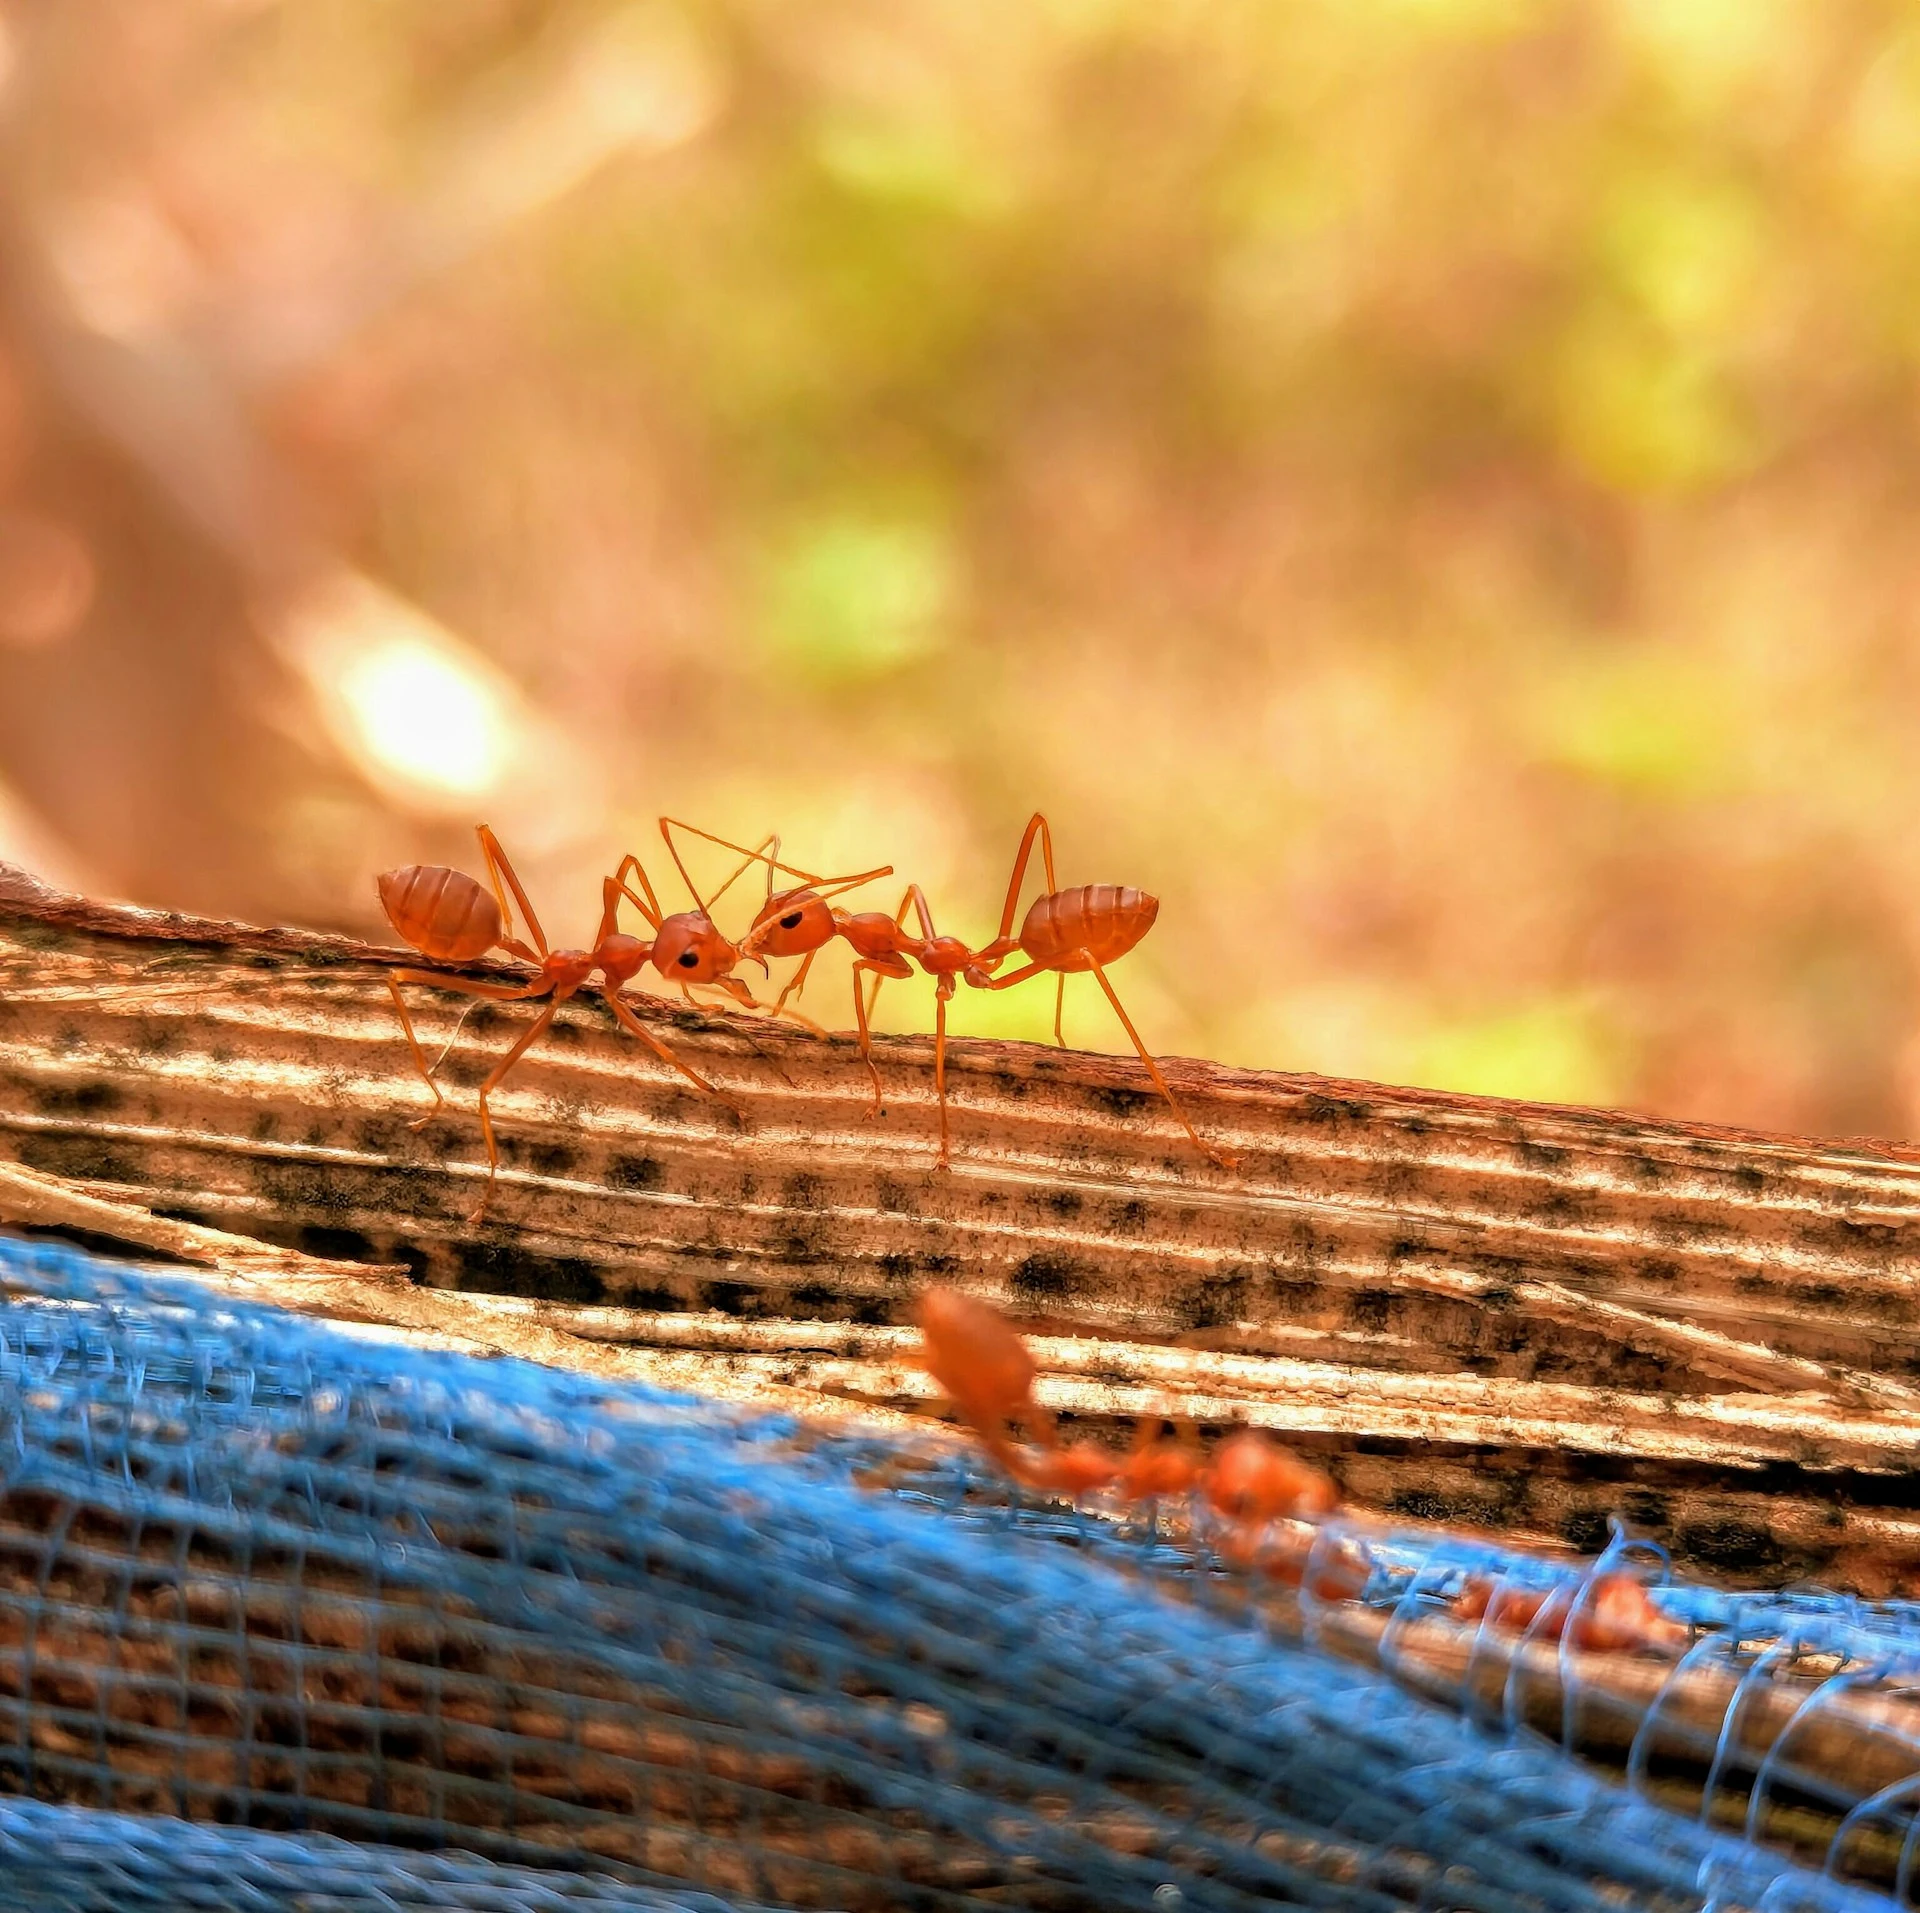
[
  {"x": 803, "y": 921},
  {"x": 690, "y": 949},
  {"x": 450, "y": 919}
]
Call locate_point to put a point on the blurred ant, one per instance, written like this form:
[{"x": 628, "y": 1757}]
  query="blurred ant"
[
  {"x": 449, "y": 918},
  {"x": 1065, "y": 932},
  {"x": 1252, "y": 1483},
  {"x": 982, "y": 1362}
]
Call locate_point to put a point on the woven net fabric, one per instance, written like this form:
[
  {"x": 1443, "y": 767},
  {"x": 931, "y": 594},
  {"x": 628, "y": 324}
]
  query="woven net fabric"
[{"x": 289, "y": 1615}]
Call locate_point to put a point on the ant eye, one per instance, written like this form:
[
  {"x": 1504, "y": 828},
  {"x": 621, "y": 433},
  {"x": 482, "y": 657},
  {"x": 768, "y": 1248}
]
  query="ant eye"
[
  {"x": 688, "y": 959},
  {"x": 790, "y": 921}
]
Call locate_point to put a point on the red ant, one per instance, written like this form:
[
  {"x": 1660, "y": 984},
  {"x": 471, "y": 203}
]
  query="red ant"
[
  {"x": 982, "y": 1362},
  {"x": 448, "y": 917},
  {"x": 1065, "y": 932},
  {"x": 979, "y": 1358}
]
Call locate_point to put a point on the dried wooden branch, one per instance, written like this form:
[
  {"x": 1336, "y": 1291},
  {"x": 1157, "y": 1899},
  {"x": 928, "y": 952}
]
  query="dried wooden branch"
[{"x": 1518, "y": 1316}]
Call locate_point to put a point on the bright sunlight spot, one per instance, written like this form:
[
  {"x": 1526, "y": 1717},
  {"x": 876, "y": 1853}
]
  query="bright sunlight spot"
[{"x": 416, "y": 709}]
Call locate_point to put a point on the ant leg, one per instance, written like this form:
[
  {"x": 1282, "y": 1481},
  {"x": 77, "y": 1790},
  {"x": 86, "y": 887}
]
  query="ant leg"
[
  {"x": 940, "y": 1064},
  {"x": 768, "y": 854},
  {"x": 1059, "y": 1009},
  {"x": 795, "y": 983},
  {"x": 497, "y": 868},
  {"x": 1036, "y": 826},
  {"x": 534, "y": 1032},
  {"x": 1219, "y": 1156},
  {"x": 670, "y": 824},
  {"x": 439, "y": 980},
  {"x": 885, "y": 966},
  {"x": 631, "y": 1022},
  {"x": 913, "y": 896},
  {"x": 827, "y": 886},
  {"x": 648, "y": 905},
  {"x": 419, "y": 1056}
]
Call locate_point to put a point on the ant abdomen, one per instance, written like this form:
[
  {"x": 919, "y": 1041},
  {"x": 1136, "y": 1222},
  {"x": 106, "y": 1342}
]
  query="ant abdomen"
[
  {"x": 1103, "y": 919},
  {"x": 443, "y": 913}
]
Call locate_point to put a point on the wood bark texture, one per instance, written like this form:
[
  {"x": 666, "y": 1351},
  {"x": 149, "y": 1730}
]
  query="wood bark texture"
[{"x": 1515, "y": 1317}]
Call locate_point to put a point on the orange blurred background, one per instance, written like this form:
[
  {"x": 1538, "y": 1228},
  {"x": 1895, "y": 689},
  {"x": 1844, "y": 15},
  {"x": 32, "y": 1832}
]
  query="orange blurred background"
[{"x": 1427, "y": 487}]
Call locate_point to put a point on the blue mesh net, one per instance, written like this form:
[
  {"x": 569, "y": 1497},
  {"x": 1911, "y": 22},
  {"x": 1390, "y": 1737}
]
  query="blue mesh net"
[{"x": 391, "y": 1627}]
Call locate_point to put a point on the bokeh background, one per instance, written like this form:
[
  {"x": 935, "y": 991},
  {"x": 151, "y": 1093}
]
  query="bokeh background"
[{"x": 1427, "y": 487}]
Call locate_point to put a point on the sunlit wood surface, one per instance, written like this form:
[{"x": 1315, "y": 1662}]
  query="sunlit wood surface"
[{"x": 1513, "y": 1316}]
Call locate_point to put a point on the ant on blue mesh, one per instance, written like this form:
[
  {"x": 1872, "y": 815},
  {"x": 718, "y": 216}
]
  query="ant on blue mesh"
[{"x": 1252, "y": 1484}]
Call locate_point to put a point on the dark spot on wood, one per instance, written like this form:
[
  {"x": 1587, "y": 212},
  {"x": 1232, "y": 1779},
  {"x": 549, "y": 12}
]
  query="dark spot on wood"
[
  {"x": 940, "y": 1264},
  {"x": 730, "y": 1298},
  {"x": 633, "y": 1172},
  {"x": 484, "y": 1018},
  {"x": 75, "y": 1099},
  {"x": 819, "y": 1298},
  {"x": 1318, "y": 1107},
  {"x": 1012, "y": 1086},
  {"x": 1131, "y": 1217},
  {"x": 303, "y": 1186},
  {"x": 655, "y": 1301},
  {"x": 80, "y": 1157},
  {"x": 1120, "y": 1102},
  {"x": 1649, "y": 1169},
  {"x": 1547, "y": 1156},
  {"x": 897, "y": 1267},
  {"x": 550, "y": 1158},
  {"x": 1214, "y": 1302},
  {"x": 336, "y": 1245},
  {"x": 1586, "y": 1529},
  {"x": 1732, "y": 1547},
  {"x": 1063, "y": 1202},
  {"x": 196, "y": 1218},
  {"x": 802, "y": 1247},
  {"x": 1369, "y": 1310},
  {"x": 1043, "y": 1278},
  {"x": 894, "y": 1197},
  {"x": 1499, "y": 1296},
  {"x": 803, "y": 1191},
  {"x": 492, "y": 1268},
  {"x": 1751, "y": 1178}
]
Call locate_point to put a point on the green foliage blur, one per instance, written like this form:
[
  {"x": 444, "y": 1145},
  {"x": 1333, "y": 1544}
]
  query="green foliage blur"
[{"x": 1426, "y": 487}]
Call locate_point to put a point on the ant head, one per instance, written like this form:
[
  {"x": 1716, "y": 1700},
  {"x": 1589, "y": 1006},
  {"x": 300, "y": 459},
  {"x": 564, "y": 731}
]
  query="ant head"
[
  {"x": 688, "y": 949},
  {"x": 791, "y": 923}
]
